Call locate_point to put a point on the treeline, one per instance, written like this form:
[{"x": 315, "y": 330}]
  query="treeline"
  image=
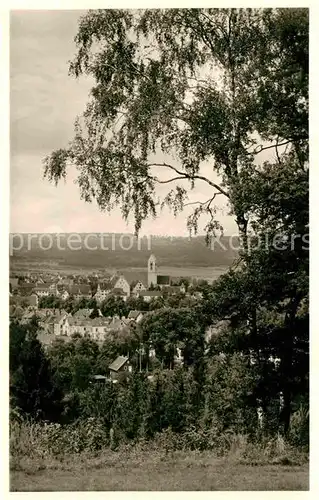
[
  {"x": 168, "y": 250},
  {"x": 217, "y": 390}
]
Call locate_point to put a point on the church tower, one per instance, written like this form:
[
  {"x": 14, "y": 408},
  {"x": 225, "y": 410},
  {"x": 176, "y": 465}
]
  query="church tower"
[{"x": 151, "y": 271}]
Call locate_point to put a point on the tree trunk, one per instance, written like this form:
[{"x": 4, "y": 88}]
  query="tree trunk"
[
  {"x": 140, "y": 360},
  {"x": 287, "y": 362},
  {"x": 242, "y": 224}
]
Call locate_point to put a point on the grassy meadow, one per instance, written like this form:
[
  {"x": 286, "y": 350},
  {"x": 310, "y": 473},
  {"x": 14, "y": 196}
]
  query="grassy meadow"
[
  {"x": 178, "y": 471},
  {"x": 154, "y": 465}
]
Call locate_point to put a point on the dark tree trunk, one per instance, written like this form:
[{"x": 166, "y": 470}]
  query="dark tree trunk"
[{"x": 287, "y": 362}]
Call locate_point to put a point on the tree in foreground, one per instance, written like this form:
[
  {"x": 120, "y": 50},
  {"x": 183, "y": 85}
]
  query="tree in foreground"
[
  {"x": 32, "y": 387},
  {"x": 183, "y": 97}
]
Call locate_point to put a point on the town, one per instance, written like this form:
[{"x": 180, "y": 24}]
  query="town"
[
  {"x": 159, "y": 249},
  {"x": 96, "y": 307}
]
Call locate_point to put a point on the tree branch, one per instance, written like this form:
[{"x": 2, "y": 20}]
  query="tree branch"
[
  {"x": 214, "y": 25},
  {"x": 184, "y": 175},
  {"x": 260, "y": 149},
  {"x": 202, "y": 202},
  {"x": 169, "y": 180},
  {"x": 277, "y": 153}
]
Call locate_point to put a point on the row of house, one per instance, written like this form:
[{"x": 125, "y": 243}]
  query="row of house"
[
  {"x": 64, "y": 324},
  {"x": 63, "y": 291},
  {"x": 140, "y": 284},
  {"x": 38, "y": 278},
  {"x": 126, "y": 284}
]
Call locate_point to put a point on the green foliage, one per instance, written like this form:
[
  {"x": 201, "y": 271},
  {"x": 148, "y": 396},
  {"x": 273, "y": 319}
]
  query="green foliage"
[
  {"x": 136, "y": 304},
  {"x": 168, "y": 329},
  {"x": 114, "y": 306},
  {"x": 175, "y": 410},
  {"x": 51, "y": 302},
  {"x": 73, "y": 362},
  {"x": 58, "y": 440},
  {"x": 107, "y": 353},
  {"x": 81, "y": 370},
  {"x": 99, "y": 401},
  {"x": 230, "y": 389},
  {"x": 31, "y": 383},
  {"x": 204, "y": 86},
  {"x": 299, "y": 428},
  {"x": 90, "y": 436},
  {"x": 196, "y": 84}
]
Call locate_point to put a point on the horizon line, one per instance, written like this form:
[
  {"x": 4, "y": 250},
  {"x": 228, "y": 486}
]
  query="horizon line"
[{"x": 120, "y": 233}]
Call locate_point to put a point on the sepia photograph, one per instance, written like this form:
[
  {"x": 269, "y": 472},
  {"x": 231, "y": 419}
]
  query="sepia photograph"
[{"x": 159, "y": 250}]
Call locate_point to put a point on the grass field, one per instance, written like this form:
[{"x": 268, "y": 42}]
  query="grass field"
[{"x": 178, "y": 471}]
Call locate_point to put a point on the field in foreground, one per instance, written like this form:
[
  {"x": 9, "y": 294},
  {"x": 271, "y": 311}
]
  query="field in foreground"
[{"x": 177, "y": 471}]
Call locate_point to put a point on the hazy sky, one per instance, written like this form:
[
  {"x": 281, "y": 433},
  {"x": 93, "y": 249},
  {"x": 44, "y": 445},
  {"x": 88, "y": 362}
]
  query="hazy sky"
[{"x": 44, "y": 104}]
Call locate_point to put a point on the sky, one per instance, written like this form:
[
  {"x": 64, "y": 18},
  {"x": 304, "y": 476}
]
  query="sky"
[{"x": 44, "y": 103}]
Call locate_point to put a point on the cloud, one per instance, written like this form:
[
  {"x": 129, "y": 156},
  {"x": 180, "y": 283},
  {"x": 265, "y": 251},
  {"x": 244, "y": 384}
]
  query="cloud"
[{"x": 44, "y": 100}]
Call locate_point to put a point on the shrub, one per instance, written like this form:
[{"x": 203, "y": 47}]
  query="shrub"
[
  {"x": 56, "y": 439},
  {"x": 299, "y": 428},
  {"x": 41, "y": 441}
]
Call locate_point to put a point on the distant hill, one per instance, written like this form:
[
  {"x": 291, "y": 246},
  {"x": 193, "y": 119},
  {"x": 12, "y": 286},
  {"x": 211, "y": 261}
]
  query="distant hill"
[{"x": 119, "y": 251}]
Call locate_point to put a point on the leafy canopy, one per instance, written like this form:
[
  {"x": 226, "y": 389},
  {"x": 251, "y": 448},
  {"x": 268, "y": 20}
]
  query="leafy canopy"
[{"x": 184, "y": 96}]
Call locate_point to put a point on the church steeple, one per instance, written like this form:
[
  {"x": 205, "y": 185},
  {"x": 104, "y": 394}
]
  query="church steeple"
[{"x": 151, "y": 271}]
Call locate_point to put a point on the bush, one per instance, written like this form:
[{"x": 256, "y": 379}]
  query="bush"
[
  {"x": 46, "y": 441},
  {"x": 299, "y": 428},
  {"x": 35, "y": 439}
]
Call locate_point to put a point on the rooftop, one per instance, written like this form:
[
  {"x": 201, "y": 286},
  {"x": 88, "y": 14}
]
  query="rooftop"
[
  {"x": 118, "y": 363},
  {"x": 134, "y": 314},
  {"x": 150, "y": 293}
]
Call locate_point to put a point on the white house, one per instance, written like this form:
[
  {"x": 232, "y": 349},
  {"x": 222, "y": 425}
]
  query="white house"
[
  {"x": 42, "y": 291},
  {"x": 62, "y": 293},
  {"x": 148, "y": 295},
  {"x": 65, "y": 295},
  {"x": 117, "y": 284},
  {"x": 61, "y": 325},
  {"x": 80, "y": 291},
  {"x": 101, "y": 293},
  {"x": 138, "y": 287},
  {"x": 121, "y": 283}
]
